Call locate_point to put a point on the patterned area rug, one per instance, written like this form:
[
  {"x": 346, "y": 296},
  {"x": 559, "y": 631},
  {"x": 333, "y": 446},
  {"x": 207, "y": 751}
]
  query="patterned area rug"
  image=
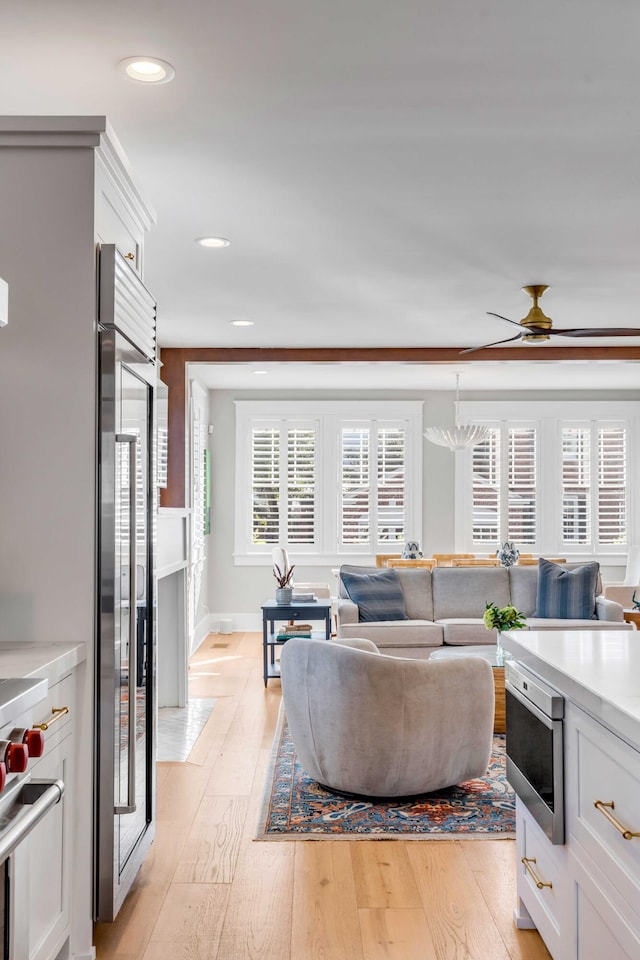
[{"x": 295, "y": 807}]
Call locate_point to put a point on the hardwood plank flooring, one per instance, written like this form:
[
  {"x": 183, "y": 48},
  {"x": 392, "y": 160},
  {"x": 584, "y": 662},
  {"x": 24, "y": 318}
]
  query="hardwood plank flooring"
[{"x": 207, "y": 890}]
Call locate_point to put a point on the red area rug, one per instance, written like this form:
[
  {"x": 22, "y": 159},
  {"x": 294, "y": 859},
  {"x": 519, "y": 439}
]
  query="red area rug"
[{"x": 295, "y": 807}]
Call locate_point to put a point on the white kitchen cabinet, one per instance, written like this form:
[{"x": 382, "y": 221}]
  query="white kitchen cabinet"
[
  {"x": 543, "y": 884},
  {"x": 47, "y": 854},
  {"x": 591, "y": 911},
  {"x": 49, "y": 864}
]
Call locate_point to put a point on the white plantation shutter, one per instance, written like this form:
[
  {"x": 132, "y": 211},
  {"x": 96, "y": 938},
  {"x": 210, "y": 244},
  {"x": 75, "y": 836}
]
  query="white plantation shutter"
[
  {"x": 521, "y": 494},
  {"x": 555, "y": 479},
  {"x": 612, "y": 485},
  {"x": 199, "y": 442},
  {"x": 328, "y": 479},
  {"x": 283, "y": 484},
  {"x": 391, "y": 484},
  {"x": 265, "y": 484},
  {"x": 576, "y": 484},
  {"x": 301, "y": 473},
  {"x": 355, "y": 485},
  {"x": 486, "y": 490}
]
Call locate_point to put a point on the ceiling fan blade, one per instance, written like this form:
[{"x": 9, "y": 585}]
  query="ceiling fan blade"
[
  {"x": 597, "y": 332},
  {"x": 500, "y": 317},
  {"x": 518, "y": 336}
]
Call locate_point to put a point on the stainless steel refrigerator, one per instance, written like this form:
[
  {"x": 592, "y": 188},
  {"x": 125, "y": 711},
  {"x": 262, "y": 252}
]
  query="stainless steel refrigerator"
[{"x": 125, "y": 726}]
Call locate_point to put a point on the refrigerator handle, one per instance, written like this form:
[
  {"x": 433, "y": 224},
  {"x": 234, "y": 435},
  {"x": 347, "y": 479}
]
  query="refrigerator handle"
[{"x": 130, "y": 807}]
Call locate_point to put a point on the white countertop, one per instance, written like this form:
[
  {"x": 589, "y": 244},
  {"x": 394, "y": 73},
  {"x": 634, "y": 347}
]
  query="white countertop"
[
  {"x": 49, "y": 660},
  {"x": 599, "y": 670}
]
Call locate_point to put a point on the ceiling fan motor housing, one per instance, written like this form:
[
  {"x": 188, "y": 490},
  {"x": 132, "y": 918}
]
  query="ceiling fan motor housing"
[{"x": 536, "y": 318}]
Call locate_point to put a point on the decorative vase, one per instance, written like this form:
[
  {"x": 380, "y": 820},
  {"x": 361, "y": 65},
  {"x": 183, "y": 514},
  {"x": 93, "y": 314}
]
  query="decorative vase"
[
  {"x": 284, "y": 595},
  {"x": 499, "y": 650},
  {"x": 507, "y": 553}
]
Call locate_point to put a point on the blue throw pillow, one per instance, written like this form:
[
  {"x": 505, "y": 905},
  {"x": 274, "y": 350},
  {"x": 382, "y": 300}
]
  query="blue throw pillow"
[
  {"x": 566, "y": 594},
  {"x": 378, "y": 595}
]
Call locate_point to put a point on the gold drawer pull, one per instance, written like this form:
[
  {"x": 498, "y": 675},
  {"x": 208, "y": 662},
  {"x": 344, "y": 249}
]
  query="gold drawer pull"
[
  {"x": 527, "y": 861},
  {"x": 57, "y": 713},
  {"x": 601, "y": 806},
  {"x": 129, "y": 256}
]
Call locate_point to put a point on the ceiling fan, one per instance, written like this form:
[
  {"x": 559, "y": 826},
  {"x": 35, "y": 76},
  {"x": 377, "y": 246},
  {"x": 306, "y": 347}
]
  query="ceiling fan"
[{"x": 537, "y": 326}]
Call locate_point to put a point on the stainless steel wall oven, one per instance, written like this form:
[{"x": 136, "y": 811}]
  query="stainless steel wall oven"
[{"x": 534, "y": 745}]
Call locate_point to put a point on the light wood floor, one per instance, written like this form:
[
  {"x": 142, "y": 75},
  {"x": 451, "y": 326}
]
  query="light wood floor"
[{"x": 207, "y": 892}]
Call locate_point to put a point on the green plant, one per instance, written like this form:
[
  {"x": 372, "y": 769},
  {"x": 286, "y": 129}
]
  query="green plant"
[
  {"x": 502, "y": 618},
  {"x": 283, "y": 578}
]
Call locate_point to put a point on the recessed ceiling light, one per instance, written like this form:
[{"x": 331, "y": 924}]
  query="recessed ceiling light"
[
  {"x": 148, "y": 69},
  {"x": 213, "y": 241},
  {"x": 241, "y": 323},
  {"x": 259, "y": 373}
]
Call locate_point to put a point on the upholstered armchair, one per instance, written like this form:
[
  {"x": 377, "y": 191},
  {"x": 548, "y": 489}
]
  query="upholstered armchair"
[
  {"x": 623, "y": 592},
  {"x": 377, "y": 726}
]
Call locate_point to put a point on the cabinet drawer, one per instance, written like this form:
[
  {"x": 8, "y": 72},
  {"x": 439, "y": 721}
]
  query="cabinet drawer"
[
  {"x": 606, "y": 771},
  {"x": 540, "y": 862},
  {"x": 605, "y": 928}
]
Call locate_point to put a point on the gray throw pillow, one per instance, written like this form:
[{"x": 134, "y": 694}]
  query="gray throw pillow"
[
  {"x": 566, "y": 594},
  {"x": 378, "y": 595}
]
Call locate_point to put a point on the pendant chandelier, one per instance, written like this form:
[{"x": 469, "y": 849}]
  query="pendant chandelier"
[{"x": 459, "y": 436}]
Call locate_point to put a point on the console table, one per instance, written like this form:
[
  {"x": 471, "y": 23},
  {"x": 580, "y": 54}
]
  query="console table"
[{"x": 272, "y": 612}]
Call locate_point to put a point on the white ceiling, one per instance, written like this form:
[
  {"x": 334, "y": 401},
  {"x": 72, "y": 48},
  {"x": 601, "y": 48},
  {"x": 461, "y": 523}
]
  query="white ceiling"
[{"x": 386, "y": 172}]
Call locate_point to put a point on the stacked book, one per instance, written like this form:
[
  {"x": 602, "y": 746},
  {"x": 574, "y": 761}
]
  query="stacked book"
[
  {"x": 294, "y": 630},
  {"x": 304, "y": 597}
]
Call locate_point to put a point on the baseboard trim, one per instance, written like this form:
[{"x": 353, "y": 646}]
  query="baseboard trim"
[
  {"x": 203, "y": 629},
  {"x": 239, "y": 621}
]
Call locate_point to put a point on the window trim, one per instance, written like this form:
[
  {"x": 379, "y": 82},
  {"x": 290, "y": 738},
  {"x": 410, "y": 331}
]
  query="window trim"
[
  {"x": 549, "y": 417},
  {"x": 329, "y": 415}
]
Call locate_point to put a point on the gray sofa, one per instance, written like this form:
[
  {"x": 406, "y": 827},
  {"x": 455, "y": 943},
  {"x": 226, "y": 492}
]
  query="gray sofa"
[{"x": 446, "y": 606}]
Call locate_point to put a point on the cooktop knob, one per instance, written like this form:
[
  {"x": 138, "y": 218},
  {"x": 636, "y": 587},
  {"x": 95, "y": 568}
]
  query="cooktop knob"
[
  {"x": 16, "y": 757},
  {"x": 34, "y": 741}
]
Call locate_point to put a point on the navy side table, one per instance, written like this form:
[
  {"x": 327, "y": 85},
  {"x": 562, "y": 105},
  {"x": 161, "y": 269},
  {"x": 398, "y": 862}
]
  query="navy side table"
[{"x": 304, "y": 612}]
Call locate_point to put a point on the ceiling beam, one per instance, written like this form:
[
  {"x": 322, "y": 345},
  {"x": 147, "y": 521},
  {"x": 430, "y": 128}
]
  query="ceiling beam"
[
  {"x": 175, "y": 360},
  {"x": 396, "y": 354}
]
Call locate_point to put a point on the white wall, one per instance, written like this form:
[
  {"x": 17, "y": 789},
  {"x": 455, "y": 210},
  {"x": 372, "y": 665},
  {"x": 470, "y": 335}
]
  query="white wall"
[{"x": 238, "y": 592}]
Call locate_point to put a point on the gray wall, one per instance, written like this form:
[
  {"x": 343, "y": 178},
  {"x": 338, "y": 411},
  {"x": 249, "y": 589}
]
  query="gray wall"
[{"x": 234, "y": 590}]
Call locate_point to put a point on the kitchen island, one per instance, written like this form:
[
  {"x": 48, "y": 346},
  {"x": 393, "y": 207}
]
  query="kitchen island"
[{"x": 584, "y": 895}]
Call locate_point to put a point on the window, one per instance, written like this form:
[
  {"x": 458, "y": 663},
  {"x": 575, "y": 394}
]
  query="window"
[
  {"x": 331, "y": 484},
  {"x": 552, "y": 483},
  {"x": 283, "y": 491},
  {"x": 372, "y": 500},
  {"x": 594, "y": 484},
  {"x": 504, "y": 488}
]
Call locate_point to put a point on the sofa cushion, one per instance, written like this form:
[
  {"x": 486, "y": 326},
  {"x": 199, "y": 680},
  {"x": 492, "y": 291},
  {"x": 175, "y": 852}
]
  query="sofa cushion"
[
  {"x": 553, "y": 623},
  {"x": 566, "y": 594},
  {"x": 399, "y": 633},
  {"x": 460, "y": 631},
  {"x": 524, "y": 588},
  {"x": 418, "y": 598},
  {"x": 378, "y": 594},
  {"x": 460, "y": 592}
]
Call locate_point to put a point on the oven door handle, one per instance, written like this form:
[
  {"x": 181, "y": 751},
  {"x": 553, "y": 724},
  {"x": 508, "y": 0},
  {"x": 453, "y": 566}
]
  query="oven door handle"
[{"x": 36, "y": 799}]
